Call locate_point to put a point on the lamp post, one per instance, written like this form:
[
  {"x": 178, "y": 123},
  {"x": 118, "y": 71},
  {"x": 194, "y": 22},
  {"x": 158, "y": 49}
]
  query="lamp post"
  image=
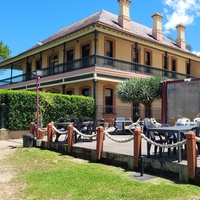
[
  {"x": 38, "y": 74},
  {"x": 3, "y": 107}
]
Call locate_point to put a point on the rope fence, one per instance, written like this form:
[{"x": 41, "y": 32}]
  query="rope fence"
[{"x": 108, "y": 135}]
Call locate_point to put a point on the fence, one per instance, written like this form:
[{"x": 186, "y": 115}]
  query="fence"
[{"x": 191, "y": 142}]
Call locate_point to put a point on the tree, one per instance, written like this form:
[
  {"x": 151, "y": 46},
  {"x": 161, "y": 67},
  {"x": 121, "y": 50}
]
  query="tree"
[
  {"x": 4, "y": 52},
  {"x": 140, "y": 90}
]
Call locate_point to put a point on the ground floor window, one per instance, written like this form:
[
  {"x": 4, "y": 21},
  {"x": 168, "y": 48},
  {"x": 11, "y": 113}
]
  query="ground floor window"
[{"x": 108, "y": 100}]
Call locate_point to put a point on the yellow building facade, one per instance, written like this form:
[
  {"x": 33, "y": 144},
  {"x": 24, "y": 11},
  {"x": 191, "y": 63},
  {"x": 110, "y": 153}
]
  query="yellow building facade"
[{"x": 93, "y": 55}]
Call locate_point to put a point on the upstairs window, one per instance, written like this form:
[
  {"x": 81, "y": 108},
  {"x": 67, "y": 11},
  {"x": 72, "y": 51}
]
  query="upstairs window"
[
  {"x": 70, "y": 58},
  {"x": 164, "y": 62},
  {"x": 109, "y": 48},
  {"x": 53, "y": 60},
  {"x": 85, "y": 50},
  {"x": 85, "y": 55},
  {"x": 38, "y": 64},
  {"x": 70, "y": 55},
  {"x": 28, "y": 70},
  {"x": 174, "y": 67},
  {"x": 173, "y": 64},
  {"x": 109, "y": 52},
  {"x": 147, "y": 58},
  {"x": 147, "y": 61}
]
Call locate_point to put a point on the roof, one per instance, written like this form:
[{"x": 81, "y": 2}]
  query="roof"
[{"x": 108, "y": 19}]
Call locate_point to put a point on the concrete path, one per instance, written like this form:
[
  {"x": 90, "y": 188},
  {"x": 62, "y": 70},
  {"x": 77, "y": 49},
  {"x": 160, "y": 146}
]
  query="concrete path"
[{"x": 11, "y": 143}]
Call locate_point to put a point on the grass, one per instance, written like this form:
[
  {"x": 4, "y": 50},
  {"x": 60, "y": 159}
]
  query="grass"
[{"x": 44, "y": 174}]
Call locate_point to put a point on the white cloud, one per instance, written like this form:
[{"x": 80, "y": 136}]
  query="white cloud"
[
  {"x": 196, "y": 52},
  {"x": 180, "y": 12}
]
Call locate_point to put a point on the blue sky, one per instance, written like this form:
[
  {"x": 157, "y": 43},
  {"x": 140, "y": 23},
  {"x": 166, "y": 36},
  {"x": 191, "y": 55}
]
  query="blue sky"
[{"x": 25, "y": 22}]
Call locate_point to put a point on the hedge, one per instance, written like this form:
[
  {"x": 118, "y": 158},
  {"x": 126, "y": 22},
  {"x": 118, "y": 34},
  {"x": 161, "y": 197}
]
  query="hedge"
[{"x": 21, "y": 107}]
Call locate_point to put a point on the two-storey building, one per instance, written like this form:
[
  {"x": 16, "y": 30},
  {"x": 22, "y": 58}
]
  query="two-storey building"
[{"x": 93, "y": 55}]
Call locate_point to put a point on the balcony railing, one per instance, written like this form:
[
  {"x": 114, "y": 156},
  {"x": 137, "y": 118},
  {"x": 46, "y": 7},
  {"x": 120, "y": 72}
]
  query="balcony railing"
[{"x": 92, "y": 61}]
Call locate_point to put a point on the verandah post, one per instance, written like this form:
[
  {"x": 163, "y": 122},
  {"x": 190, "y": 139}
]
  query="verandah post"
[
  {"x": 70, "y": 130},
  {"x": 49, "y": 135},
  {"x": 99, "y": 144},
  {"x": 32, "y": 128},
  {"x": 137, "y": 147},
  {"x": 191, "y": 155}
]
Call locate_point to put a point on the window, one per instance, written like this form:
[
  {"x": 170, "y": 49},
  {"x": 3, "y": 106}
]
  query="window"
[
  {"x": 174, "y": 67},
  {"x": 173, "y": 64},
  {"x": 28, "y": 70},
  {"x": 69, "y": 92},
  {"x": 135, "y": 58},
  {"x": 85, "y": 55},
  {"x": 38, "y": 64},
  {"x": 108, "y": 100},
  {"x": 70, "y": 55},
  {"x": 70, "y": 58},
  {"x": 85, "y": 92},
  {"x": 165, "y": 67},
  {"x": 53, "y": 61},
  {"x": 164, "y": 62},
  {"x": 109, "y": 52},
  {"x": 147, "y": 57},
  {"x": 109, "y": 48}
]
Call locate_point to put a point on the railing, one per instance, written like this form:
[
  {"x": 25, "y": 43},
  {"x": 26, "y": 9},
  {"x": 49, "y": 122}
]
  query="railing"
[
  {"x": 91, "y": 61},
  {"x": 125, "y": 111}
]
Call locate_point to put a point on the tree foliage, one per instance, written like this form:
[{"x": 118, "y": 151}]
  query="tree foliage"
[
  {"x": 4, "y": 52},
  {"x": 140, "y": 90}
]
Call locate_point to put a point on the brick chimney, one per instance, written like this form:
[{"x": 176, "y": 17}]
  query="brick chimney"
[
  {"x": 124, "y": 15},
  {"x": 157, "y": 27},
  {"x": 180, "y": 41}
]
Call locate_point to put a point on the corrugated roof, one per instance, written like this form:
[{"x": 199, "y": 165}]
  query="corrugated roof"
[{"x": 111, "y": 20}]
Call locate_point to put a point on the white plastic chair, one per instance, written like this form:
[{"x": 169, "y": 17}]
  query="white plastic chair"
[{"x": 182, "y": 121}]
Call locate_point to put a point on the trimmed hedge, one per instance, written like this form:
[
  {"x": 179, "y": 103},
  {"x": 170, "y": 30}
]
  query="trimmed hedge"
[{"x": 21, "y": 107}]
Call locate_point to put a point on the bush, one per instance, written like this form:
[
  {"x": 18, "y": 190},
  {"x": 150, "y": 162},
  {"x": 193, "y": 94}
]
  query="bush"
[{"x": 21, "y": 107}]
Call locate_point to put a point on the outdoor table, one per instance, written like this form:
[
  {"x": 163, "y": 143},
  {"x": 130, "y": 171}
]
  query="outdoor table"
[
  {"x": 123, "y": 122},
  {"x": 170, "y": 129}
]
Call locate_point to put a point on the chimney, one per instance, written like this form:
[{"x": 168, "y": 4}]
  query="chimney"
[
  {"x": 124, "y": 16},
  {"x": 157, "y": 27},
  {"x": 180, "y": 41}
]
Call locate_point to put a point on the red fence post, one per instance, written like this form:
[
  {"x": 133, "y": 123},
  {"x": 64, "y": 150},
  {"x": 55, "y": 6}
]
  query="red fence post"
[
  {"x": 99, "y": 145},
  {"x": 32, "y": 128},
  {"x": 191, "y": 155},
  {"x": 49, "y": 135},
  {"x": 70, "y": 130},
  {"x": 137, "y": 146}
]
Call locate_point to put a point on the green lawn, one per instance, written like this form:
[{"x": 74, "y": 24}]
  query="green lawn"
[{"x": 44, "y": 174}]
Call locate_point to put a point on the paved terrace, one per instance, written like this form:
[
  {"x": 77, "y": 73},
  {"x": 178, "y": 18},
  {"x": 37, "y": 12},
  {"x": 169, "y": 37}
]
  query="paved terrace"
[{"x": 122, "y": 153}]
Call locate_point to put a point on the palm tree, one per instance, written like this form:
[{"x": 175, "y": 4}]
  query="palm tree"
[{"x": 140, "y": 90}]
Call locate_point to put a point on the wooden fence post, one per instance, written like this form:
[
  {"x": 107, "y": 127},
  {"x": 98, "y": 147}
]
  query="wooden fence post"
[
  {"x": 191, "y": 155},
  {"x": 137, "y": 147},
  {"x": 99, "y": 144},
  {"x": 32, "y": 128},
  {"x": 49, "y": 135},
  {"x": 70, "y": 130}
]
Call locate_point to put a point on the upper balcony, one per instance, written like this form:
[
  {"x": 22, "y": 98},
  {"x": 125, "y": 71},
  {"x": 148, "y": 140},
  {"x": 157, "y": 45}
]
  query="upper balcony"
[{"x": 95, "y": 60}]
